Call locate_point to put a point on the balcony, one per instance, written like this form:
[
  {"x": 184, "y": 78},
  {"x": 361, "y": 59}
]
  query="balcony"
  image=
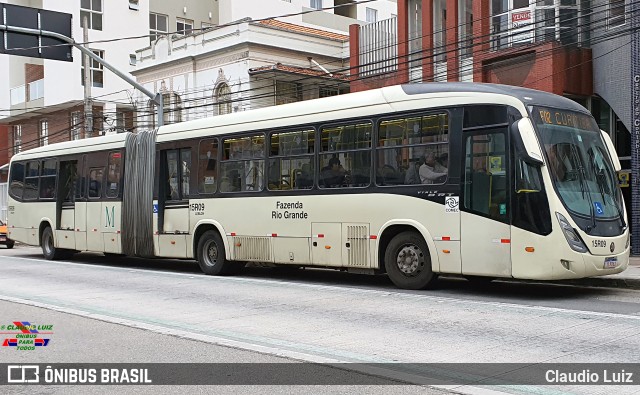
[
  {"x": 26, "y": 93},
  {"x": 378, "y": 48}
]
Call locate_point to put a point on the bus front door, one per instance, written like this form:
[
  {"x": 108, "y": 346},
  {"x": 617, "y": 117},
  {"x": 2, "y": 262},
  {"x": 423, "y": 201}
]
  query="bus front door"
[{"x": 485, "y": 233}]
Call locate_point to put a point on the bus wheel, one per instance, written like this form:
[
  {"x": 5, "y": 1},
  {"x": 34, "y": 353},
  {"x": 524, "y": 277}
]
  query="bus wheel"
[
  {"x": 408, "y": 262},
  {"x": 49, "y": 251},
  {"x": 211, "y": 256},
  {"x": 10, "y": 244}
]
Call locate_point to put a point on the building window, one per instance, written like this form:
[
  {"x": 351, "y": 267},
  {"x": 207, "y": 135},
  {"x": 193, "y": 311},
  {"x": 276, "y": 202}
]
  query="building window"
[
  {"x": 172, "y": 108},
  {"x": 616, "y": 13},
  {"x": 75, "y": 121},
  {"x": 158, "y": 25},
  {"x": 184, "y": 26},
  {"x": 223, "y": 99},
  {"x": 92, "y": 11},
  {"x": 372, "y": 15},
  {"x": 43, "y": 128},
  {"x": 97, "y": 73},
  {"x": 17, "y": 138},
  {"x": 288, "y": 92},
  {"x": 316, "y": 4},
  {"x": 326, "y": 91}
]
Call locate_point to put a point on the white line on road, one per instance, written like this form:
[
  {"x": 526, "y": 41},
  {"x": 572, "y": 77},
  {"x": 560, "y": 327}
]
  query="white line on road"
[{"x": 359, "y": 366}]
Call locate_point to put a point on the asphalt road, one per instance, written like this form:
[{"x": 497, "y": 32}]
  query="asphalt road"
[{"x": 322, "y": 316}]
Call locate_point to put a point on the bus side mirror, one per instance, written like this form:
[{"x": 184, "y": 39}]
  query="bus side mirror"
[
  {"x": 526, "y": 142},
  {"x": 612, "y": 150}
]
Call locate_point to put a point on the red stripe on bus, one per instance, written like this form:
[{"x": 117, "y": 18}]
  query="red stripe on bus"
[
  {"x": 505, "y": 241},
  {"x": 274, "y": 235},
  {"x": 320, "y": 236},
  {"x": 373, "y": 237},
  {"x": 233, "y": 233},
  {"x": 446, "y": 238}
]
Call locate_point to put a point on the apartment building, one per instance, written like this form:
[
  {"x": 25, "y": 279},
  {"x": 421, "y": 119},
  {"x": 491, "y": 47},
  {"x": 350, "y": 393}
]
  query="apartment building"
[{"x": 251, "y": 59}]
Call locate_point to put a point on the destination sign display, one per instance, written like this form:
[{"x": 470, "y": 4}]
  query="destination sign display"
[{"x": 563, "y": 118}]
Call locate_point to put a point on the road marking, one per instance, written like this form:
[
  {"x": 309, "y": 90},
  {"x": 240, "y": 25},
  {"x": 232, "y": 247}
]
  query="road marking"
[
  {"x": 353, "y": 290},
  {"x": 403, "y": 377}
]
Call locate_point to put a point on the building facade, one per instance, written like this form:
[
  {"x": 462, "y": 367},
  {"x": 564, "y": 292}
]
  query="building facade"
[
  {"x": 239, "y": 67},
  {"x": 44, "y": 99},
  {"x": 574, "y": 48},
  {"x": 251, "y": 59}
]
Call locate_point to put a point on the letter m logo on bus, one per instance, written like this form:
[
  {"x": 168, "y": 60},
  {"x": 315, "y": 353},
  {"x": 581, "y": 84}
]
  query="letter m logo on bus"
[{"x": 110, "y": 220}]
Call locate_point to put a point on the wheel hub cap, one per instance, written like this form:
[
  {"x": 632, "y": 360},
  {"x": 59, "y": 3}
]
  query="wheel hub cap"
[{"x": 410, "y": 259}]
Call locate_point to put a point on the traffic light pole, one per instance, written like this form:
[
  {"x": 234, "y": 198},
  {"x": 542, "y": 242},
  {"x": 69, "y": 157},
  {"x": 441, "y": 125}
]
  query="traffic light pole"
[{"x": 156, "y": 98}]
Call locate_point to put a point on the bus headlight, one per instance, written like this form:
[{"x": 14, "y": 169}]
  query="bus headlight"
[
  {"x": 574, "y": 240},
  {"x": 628, "y": 240}
]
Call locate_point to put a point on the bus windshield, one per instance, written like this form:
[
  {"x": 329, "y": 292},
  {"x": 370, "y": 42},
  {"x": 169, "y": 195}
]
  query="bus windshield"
[{"x": 579, "y": 164}]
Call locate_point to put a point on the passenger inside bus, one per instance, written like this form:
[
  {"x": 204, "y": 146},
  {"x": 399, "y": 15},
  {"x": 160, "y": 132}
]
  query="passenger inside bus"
[
  {"x": 432, "y": 172},
  {"x": 304, "y": 178},
  {"x": 413, "y": 172},
  {"x": 333, "y": 174}
]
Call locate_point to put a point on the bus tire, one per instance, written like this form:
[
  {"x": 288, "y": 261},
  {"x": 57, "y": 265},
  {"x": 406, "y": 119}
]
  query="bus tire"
[
  {"x": 408, "y": 262},
  {"x": 49, "y": 250},
  {"x": 10, "y": 244},
  {"x": 211, "y": 255}
]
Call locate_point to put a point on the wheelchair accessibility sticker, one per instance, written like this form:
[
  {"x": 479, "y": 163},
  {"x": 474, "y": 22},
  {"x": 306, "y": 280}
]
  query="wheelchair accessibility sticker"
[{"x": 598, "y": 207}]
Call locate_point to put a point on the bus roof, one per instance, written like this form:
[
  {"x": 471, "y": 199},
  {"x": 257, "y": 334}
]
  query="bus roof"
[
  {"x": 525, "y": 95},
  {"x": 113, "y": 141},
  {"x": 326, "y": 110},
  {"x": 365, "y": 103}
]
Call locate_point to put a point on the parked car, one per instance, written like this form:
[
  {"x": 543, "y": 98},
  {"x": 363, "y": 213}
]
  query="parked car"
[{"x": 3, "y": 236}]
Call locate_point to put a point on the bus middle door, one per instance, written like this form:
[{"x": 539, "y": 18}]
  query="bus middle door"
[
  {"x": 485, "y": 233},
  {"x": 80, "y": 211},
  {"x": 65, "y": 203},
  {"x": 173, "y": 202}
]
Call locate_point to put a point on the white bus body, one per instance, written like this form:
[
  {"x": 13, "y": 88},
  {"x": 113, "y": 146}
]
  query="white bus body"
[{"x": 248, "y": 186}]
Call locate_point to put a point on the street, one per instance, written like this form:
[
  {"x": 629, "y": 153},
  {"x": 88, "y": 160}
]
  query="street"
[{"x": 265, "y": 315}]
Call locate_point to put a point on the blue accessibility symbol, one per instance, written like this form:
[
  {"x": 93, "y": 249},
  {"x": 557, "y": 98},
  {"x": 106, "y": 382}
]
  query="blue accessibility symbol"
[
  {"x": 155, "y": 209},
  {"x": 598, "y": 207}
]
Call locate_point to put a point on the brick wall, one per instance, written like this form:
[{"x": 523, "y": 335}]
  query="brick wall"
[
  {"x": 548, "y": 67},
  {"x": 59, "y": 129},
  {"x": 33, "y": 72}
]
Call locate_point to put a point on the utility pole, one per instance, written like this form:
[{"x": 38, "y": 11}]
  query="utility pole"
[
  {"x": 155, "y": 97},
  {"x": 88, "y": 110}
]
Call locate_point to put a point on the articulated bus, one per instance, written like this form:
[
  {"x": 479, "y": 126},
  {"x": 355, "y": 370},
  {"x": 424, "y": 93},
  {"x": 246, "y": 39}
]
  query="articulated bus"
[{"x": 477, "y": 180}]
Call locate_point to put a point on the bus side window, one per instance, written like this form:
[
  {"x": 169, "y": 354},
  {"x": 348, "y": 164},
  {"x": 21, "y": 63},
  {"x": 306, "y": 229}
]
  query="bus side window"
[
  {"x": 48, "y": 179},
  {"x": 113, "y": 176},
  {"x": 16, "y": 184},
  {"x": 207, "y": 166},
  {"x": 96, "y": 177},
  {"x": 31, "y": 181}
]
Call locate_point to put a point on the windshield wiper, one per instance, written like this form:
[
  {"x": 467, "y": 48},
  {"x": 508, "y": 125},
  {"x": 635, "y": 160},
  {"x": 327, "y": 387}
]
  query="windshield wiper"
[
  {"x": 604, "y": 189},
  {"x": 583, "y": 186}
]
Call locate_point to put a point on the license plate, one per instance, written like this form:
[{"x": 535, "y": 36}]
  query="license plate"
[{"x": 610, "y": 262}]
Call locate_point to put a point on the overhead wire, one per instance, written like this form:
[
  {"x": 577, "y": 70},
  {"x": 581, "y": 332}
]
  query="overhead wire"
[{"x": 271, "y": 95}]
